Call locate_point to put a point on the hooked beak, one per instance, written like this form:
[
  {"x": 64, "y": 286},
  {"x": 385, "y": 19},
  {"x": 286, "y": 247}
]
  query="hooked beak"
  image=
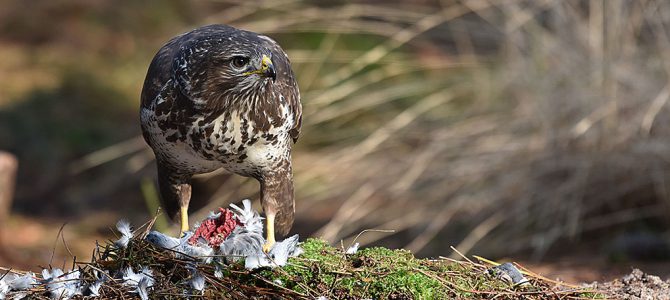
[{"x": 267, "y": 68}]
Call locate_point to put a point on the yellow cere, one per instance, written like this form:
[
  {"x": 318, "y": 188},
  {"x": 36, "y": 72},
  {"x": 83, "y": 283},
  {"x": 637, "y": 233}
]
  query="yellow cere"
[{"x": 266, "y": 62}]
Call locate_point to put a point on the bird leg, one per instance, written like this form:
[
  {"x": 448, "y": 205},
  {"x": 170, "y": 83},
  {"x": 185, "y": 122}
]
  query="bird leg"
[
  {"x": 270, "y": 232},
  {"x": 184, "y": 219},
  {"x": 175, "y": 190},
  {"x": 278, "y": 202}
]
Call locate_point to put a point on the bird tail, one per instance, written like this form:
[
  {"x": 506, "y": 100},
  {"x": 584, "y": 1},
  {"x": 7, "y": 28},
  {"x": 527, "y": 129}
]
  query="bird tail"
[
  {"x": 277, "y": 197},
  {"x": 174, "y": 189}
]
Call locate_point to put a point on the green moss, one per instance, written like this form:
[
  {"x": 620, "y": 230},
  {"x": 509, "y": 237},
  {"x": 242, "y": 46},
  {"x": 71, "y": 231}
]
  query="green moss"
[
  {"x": 371, "y": 273},
  {"x": 385, "y": 272}
]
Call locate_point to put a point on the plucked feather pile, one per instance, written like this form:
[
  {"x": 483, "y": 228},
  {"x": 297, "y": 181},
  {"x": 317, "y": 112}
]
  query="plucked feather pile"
[{"x": 230, "y": 234}]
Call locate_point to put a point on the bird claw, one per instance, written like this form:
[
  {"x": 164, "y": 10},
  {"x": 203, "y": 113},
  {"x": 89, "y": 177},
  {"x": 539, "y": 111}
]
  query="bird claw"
[{"x": 268, "y": 246}]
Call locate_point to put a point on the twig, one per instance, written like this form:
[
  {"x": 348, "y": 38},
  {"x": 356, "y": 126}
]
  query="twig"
[{"x": 53, "y": 251}]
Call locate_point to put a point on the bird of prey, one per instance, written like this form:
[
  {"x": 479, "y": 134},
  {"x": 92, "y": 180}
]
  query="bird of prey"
[{"x": 220, "y": 97}]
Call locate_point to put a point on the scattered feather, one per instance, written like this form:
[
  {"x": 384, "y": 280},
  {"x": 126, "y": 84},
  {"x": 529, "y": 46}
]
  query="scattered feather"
[
  {"x": 509, "y": 273},
  {"x": 218, "y": 271},
  {"x": 50, "y": 274},
  {"x": 246, "y": 240},
  {"x": 353, "y": 249},
  {"x": 62, "y": 285},
  {"x": 131, "y": 278},
  {"x": 242, "y": 243},
  {"x": 94, "y": 288},
  {"x": 250, "y": 219},
  {"x": 4, "y": 289},
  {"x": 18, "y": 283},
  {"x": 281, "y": 251},
  {"x": 141, "y": 281},
  {"x": 163, "y": 241},
  {"x": 143, "y": 288},
  {"x": 212, "y": 215},
  {"x": 256, "y": 261},
  {"x": 201, "y": 251},
  {"x": 278, "y": 255},
  {"x": 197, "y": 282},
  {"x": 126, "y": 233}
]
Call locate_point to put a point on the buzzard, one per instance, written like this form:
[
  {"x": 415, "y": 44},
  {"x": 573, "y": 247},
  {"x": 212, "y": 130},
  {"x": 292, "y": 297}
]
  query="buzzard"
[{"x": 220, "y": 97}]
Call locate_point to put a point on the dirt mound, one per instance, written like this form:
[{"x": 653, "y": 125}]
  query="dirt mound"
[{"x": 637, "y": 285}]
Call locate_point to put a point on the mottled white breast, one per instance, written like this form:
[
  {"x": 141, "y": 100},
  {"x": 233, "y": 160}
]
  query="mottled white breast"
[{"x": 177, "y": 153}]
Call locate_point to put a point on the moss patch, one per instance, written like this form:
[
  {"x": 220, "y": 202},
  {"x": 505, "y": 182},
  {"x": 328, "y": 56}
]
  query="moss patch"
[{"x": 381, "y": 273}]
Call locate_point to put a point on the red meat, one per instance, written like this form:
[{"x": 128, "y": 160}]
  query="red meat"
[{"x": 215, "y": 231}]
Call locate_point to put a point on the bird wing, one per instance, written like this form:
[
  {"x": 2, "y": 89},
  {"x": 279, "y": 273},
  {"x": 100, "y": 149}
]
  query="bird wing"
[{"x": 297, "y": 117}]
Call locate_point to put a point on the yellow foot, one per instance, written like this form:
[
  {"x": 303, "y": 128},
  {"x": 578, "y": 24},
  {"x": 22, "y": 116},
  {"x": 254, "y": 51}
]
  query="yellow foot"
[
  {"x": 270, "y": 232},
  {"x": 268, "y": 246},
  {"x": 184, "y": 221}
]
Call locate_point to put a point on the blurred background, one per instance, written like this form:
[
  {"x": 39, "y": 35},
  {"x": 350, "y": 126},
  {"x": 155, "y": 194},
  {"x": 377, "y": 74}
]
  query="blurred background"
[{"x": 537, "y": 131}]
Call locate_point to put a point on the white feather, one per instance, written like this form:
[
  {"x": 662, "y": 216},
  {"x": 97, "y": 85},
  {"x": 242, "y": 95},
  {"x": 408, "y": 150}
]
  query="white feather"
[
  {"x": 131, "y": 278},
  {"x": 249, "y": 218},
  {"x": 4, "y": 289},
  {"x": 278, "y": 255},
  {"x": 281, "y": 251},
  {"x": 197, "y": 282},
  {"x": 141, "y": 281},
  {"x": 94, "y": 288},
  {"x": 245, "y": 240},
  {"x": 163, "y": 241},
  {"x": 353, "y": 249},
  {"x": 218, "y": 271},
  {"x": 201, "y": 251},
  {"x": 242, "y": 243},
  {"x": 61, "y": 285},
  {"x": 23, "y": 282},
  {"x": 126, "y": 233},
  {"x": 143, "y": 288},
  {"x": 17, "y": 283}
]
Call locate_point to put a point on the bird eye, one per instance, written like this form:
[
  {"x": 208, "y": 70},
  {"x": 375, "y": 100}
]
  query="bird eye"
[{"x": 240, "y": 61}]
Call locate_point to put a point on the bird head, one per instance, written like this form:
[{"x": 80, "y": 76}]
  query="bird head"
[
  {"x": 239, "y": 70},
  {"x": 231, "y": 64}
]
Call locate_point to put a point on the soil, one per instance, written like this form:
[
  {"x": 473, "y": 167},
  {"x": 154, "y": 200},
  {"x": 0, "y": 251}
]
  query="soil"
[{"x": 636, "y": 285}]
